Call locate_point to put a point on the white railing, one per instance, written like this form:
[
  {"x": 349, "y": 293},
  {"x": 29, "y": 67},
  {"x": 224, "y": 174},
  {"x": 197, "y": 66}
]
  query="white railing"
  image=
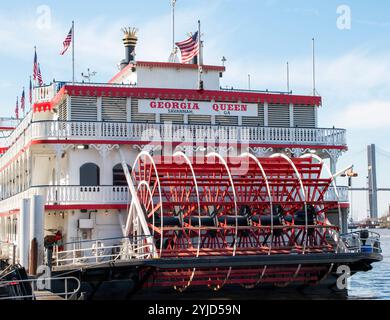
[
  {"x": 363, "y": 241},
  {"x": 147, "y": 132},
  {"x": 45, "y": 93},
  {"x": 9, "y": 123},
  {"x": 7, "y": 141},
  {"x": 180, "y": 133},
  {"x": 79, "y": 195},
  {"x": 343, "y": 194},
  {"x": 67, "y": 195},
  {"x": 103, "y": 251}
]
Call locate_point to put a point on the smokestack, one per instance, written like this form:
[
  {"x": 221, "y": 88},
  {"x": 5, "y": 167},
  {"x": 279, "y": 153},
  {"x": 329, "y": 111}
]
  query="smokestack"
[{"x": 130, "y": 40}]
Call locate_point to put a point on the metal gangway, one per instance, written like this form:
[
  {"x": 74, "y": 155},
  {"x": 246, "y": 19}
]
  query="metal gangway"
[{"x": 38, "y": 289}]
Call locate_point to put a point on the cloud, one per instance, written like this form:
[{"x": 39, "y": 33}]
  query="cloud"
[
  {"x": 356, "y": 73},
  {"x": 366, "y": 115},
  {"x": 98, "y": 42},
  {"x": 4, "y": 84},
  {"x": 351, "y": 75},
  {"x": 304, "y": 11},
  {"x": 382, "y": 24}
]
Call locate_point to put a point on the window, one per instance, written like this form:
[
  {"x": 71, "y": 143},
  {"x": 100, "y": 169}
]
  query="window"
[
  {"x": 279, "y": 116},
  {"x": 118, "y": 176},
  {"x": 305, "y": 116},
  {"x": 114, "y": 109},
  {"x": 83, "y": 109},
  {"x": 89, "y": 175}
]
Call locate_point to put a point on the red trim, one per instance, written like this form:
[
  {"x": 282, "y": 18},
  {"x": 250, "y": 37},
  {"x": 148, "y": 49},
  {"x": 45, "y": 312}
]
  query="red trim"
[
  {"x": 317, "y": 147},
  {"x": 3, "y": 150},
  {"x": 48, "y": 106},
  {"x": 58, "y": 97},
  {"x": 169, "y": 65},
  {"x": 87, "y": 207},
  {"x": 10, "y": 213},
  {"x": 345, "y": 205},
  {"x": 120, "y": 73},
  {"x": 7, "y": 128},
  {"x": 42, "y": 107},
  {"x": 73, "y": 207},
  {"x": 182, "y": 94},
  {"x": 126, "y": 142},
  {"x": 95, "y": 207}
]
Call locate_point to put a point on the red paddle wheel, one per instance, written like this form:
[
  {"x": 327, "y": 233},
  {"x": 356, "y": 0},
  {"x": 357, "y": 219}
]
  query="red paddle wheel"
[{"x": 211, "y": 207}]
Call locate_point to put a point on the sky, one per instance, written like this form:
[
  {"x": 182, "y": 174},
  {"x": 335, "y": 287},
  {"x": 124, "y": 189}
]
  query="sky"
[{"x": 257, "y": 37}]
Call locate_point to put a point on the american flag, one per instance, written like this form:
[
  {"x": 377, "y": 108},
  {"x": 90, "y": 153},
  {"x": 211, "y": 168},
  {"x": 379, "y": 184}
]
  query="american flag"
[
  {"x": 39, "y": 76},
  {"x": 30, "y": 92},
  {"x": 17, "y": 108},
  {"x": 23, "y": 101},
  {"x": 189, "y": 48},
  {"x": 67, "y": 42},
  {"x": 36, "y": 67}
]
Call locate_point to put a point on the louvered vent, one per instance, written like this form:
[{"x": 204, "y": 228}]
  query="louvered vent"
[
  {"x": 84, "y": 109},
  {"x": 63, "y": 111},
  {"x": 226, "y": 121},
  {"x": 255, "y": 121},
  {"x": 140, "y": 117},
  {"x": 304, "y": 117},
  {"x": 114, "y": 109},
  {"x": 279, "y": 116},
  {"x": 172, "y": 118},
  {"x": 192, "y": 119}
]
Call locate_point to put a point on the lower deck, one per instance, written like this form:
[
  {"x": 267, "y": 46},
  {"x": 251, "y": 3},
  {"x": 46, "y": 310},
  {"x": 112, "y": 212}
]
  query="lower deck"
[{"x": 212, "y": 278}]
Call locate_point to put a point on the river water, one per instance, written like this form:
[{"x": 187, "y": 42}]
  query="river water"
[{"x": 374, "y": 284}]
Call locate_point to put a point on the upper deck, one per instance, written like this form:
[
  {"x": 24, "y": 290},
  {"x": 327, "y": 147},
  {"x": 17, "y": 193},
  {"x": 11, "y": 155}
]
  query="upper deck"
[{"x": 125, "y": 114}]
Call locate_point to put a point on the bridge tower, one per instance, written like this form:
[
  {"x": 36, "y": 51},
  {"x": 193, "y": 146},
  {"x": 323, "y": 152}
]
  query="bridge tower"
[{"x": 372, "y": 182}]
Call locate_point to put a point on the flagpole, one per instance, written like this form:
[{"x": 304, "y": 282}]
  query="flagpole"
[
  {"x": 314, "y": 69},
  {"x": 35, "y": 78},
  {"x": 173, "y": 24},
  {"x": 200, "y": 58},
  {"x": 73, "y": 79},
  {"x": 24, "y": 103},
  {"x": 288, "y": 77},
  {"x": 30, "y": 94},
  {"x": 17, "y": 108}
]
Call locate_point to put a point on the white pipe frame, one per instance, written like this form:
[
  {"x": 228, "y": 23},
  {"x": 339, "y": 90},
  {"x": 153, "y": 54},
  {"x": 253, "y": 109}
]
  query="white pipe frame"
[
  {"x": 135, "y": 199},
  {"x": 218, "y": 156},
  {"x": 302, "y": 188},
  {"x": 182, "y": 154},
  {"x": 148, "y": 155},
  {"x": 145, "y": 184},
  {"x": 333, "y": 182},
  {"x": 256, "y": 160}
]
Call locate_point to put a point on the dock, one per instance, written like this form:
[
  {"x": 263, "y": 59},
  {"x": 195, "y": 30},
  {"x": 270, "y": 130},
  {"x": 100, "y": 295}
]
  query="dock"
[{"x": 46, "y": 296}]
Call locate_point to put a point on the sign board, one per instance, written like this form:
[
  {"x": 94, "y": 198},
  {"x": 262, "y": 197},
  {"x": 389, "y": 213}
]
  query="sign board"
[{"x": 208, "y": 108}]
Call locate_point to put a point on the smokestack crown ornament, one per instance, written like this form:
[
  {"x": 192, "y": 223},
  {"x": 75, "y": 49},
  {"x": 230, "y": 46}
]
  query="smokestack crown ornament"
[{"x": 130, "y": 40}]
